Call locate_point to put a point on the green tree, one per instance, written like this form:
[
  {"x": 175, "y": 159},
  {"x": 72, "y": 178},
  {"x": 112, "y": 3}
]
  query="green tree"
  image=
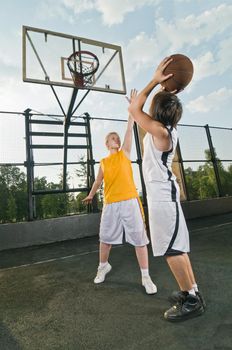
[
  {"x": 82, "y": 175},
  {"x": 81, "y": 208},
  {"x": 40, "y": 184},
  {"x": 4, "y": 192},
  {"x": 11, "y": 211},
  {"x": 201, "y": 183},
  {"x": 12, "y": 194},
  {"x": 51, "y": 205}
]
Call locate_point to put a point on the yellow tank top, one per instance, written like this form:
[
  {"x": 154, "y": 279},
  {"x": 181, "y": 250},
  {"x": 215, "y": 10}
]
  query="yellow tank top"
[{"x": 118, "y": 179}]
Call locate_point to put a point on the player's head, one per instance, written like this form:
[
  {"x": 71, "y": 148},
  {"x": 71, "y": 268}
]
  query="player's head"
[
  {"x": 113, "y": 140},
  {"x": 166, "y": 108}
]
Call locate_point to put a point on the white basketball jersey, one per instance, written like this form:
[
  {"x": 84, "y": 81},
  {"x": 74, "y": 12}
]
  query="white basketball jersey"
[{"x": 159, "y": 179}]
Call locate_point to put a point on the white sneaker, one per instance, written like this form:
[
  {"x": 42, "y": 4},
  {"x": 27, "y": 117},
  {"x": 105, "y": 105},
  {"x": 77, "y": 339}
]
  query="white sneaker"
[
  {"x": 149, "y": 286},
  {"x": 101, "y": 273}
]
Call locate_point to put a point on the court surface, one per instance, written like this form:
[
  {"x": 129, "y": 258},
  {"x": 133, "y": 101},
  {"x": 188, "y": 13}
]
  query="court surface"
[{"x": 48, "y": 299}]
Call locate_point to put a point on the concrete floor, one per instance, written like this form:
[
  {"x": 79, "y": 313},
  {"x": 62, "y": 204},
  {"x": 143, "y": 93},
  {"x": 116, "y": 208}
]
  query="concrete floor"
[{"x": 48, "y": 299}]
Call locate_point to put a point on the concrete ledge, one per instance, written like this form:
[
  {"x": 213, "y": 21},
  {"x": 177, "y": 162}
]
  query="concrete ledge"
[
  {"x": 207, "y": 207},
  {"x": 38, "y": 232},
  {"x": 25, "y": 234}
]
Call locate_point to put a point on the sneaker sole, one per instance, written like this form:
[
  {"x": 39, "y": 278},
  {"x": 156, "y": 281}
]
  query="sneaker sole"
[
  {"x": 186, "y": 317},
  {"x": 104, "y": 278},
  {"x": 149, "y": 293}
]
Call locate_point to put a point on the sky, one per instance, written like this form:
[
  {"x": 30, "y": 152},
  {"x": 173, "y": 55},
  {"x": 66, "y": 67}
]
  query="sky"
[{"x": 147, "y": 31}]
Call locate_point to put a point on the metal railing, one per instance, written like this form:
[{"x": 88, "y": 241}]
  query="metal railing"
[{"x": 203, "y": 162}]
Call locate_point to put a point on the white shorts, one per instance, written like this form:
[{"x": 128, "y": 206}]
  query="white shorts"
[
  {"x": 120, "y": 217},
  {"x": 168, "y": 231}
]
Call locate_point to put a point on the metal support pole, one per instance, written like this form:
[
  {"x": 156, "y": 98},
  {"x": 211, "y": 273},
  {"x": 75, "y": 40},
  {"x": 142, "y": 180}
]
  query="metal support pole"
[
  {"x": 214, "y": 161},
  {"x": 90, "y": 162},
  {"x": 66, "y": 127},
  {"x": 29, "y": 164},
  {"x": 139, "y": 162},
  {"x": 184, "y": 182}
]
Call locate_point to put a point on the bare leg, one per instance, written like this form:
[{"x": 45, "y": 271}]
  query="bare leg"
[
  {"x": 104, "y": 267},
  {"x": 104, "y": 252},
  {"x": 142, "y": 256},
  {"x": 190, "y": 270},
  {"x": 180, "y": 271}
]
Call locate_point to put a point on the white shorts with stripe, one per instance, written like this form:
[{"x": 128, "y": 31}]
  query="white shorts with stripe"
[
  {"x": 123, "y": 217},
  {"x": 168, "y": 231}
]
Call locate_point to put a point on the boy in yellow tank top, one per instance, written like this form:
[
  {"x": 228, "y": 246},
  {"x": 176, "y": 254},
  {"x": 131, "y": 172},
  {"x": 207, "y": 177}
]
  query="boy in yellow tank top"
[{"x": 122, "y": 211}]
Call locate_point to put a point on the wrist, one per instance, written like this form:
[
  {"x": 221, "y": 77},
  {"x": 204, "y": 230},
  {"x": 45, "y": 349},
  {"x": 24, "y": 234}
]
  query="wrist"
[{"x": 155, "y": 81}]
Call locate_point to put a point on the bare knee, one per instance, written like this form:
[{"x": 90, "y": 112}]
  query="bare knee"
[
  {"x": 106, "y": 245},
  {"x": 141, "y": 247}
]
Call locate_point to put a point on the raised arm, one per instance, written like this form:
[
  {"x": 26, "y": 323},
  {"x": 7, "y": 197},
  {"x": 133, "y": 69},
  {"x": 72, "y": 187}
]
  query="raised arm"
[
  {"x": 127, "y": 143},
  {"x": 95, "y": 187},
  {"x": 136, "y": 107},
  {"x": 128, "y": 137}
]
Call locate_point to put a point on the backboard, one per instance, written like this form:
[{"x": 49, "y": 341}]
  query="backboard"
[{"x": 45, "y": 58}]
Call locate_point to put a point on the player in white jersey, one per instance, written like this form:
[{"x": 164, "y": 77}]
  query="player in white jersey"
[{"x": 168, "y": 230}]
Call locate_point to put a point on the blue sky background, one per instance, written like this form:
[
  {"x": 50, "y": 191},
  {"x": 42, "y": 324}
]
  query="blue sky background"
[{"x": 147, "y": 30}]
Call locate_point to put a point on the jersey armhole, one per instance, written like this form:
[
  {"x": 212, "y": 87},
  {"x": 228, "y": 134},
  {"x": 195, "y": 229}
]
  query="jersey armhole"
[
  {"x": 170, "y": 138},
  {"x": 102, "y": 164},
  {"x": 170, "y": 149},
  {"x": 125, "y": 154}
]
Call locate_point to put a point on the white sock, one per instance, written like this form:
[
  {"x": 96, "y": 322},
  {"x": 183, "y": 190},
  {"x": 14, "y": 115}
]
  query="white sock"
[
  {"x": 192, "y": 291},
  {"x": 103, "y": 264},
  {"x": 144, "y": 272},
  {"x": 195, "y": 287}
]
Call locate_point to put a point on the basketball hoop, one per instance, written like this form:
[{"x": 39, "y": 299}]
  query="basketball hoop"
[{"x": 82, "y": 66}]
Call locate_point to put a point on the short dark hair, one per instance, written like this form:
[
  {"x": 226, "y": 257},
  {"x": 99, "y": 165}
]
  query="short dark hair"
[{"x": 166, "y": 108}]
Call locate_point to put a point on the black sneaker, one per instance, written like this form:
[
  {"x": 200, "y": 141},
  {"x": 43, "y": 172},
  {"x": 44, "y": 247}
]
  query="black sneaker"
[
  {"x": 188, "y": 307},
  {"x": 177, "y": 296}
]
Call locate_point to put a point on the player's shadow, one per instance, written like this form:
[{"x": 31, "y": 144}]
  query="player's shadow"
[{"x": 7, "y": 340}]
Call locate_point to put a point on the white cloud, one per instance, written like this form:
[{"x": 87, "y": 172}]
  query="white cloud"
[
  {"x": 193, "y": 30},
  {"x": 210, "y": 64},
  {"x": 225, "y": 55},
  {"x": 80, "y": 6},
  {"x": 15, "y": 95},
  {"x": 113, "y": 12},
  {"x": 7, "y": 60},
  {"x": 141, "y": 53},
  {"x": 49, "y": 9},
  {"x": 211, "y": 102},
  {"x": 10, "y": 57},
  {"x": 179, "y": 36}
]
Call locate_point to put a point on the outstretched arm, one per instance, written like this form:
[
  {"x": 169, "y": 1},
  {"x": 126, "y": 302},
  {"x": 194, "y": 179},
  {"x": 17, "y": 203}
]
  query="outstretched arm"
[
  {"x": 128, "y": 136},
  {"x": 136, "y": 107},
  {"x": 127, "y": 143},
  {"x": 95, "y": 187}
]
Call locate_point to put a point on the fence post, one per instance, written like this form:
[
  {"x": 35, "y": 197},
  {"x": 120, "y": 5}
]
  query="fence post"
[
  {"x": 29, "y": 164},
  {"x": 139, "y": 162},
  {"x": 90, "y": 163},
  {"x": 214, "y": 161},
  {"x": 184, "y": 182}
]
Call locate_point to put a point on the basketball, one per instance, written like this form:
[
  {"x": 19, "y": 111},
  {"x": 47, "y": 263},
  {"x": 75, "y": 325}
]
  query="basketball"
[{"x": 182, "y": 68}]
